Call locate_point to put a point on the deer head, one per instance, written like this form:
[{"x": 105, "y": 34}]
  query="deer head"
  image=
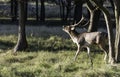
[{"x": 68, "y": 29}]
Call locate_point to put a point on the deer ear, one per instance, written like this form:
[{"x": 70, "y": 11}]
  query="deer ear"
[{"x": 72, "y": 28}]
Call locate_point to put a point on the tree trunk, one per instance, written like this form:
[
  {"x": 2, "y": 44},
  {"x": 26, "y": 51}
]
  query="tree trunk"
[
  {"x": 60, "y": 5},
  {"x": 96, "y": 19},
  {"x": 78, "y": 11},
  {"x": 118, "y": 56},
  {"x": 117, "y": 38},
  {"x": 62, "y": 10},
  {"x": 94, "y": 16},
  {"x": 37, "y": 17},
  {"x": 22, "y": 42},
  {"x": 42, "y": 16},
  {"x": 68, "y": 7},
  {"x": 26, "y": 8},
  {"x": 14, "y": 7},
  {"x": 12, "y": 13},
  {"x": 91, "y": 10},
  {"x": 109, "y": 30}
]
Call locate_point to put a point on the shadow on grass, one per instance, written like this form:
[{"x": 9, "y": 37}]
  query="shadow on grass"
[
  {"x": 49, "y": 48},
  {"x": 25, "y": 74},
  {"x": 20, "y": 60},
  {"x": 53, "y": 43},
  {"x": 71, "y": 69},
  {"x": 4, "y": 45},
  {"x": 1, "y": 75}
]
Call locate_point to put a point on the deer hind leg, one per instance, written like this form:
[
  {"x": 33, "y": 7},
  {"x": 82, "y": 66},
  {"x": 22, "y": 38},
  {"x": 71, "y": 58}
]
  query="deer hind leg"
[
  {"x": 78, "y": 50},
  {"x": 101, "y": 42},
  {"x": 103, "y": 48}
]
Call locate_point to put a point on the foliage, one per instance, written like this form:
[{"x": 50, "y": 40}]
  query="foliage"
[{"x": 51, "y": 57}]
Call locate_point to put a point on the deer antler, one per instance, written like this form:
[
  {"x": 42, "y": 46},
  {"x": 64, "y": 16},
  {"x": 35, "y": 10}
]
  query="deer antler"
[{"x": 79, "y": 22}]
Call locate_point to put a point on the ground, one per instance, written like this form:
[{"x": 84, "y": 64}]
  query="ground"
[{"x": 50, "y": 54}]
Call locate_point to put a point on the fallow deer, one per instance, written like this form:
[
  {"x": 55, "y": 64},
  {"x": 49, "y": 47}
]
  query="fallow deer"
[{"x": 86, "y": 39}]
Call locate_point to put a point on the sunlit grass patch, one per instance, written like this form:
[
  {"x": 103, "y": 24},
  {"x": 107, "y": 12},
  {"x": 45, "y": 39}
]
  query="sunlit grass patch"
[
  {"x": 53, "y": 43},
  {"x": 40, "y": 61}
]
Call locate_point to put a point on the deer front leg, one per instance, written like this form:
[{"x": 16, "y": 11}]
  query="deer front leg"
[
  {"x": 88, "y": 51},
  {"x": 78, "y": 50}
]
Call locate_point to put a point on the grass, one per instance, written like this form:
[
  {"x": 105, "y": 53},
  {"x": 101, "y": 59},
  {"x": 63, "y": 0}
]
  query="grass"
[{"x": 51, "y": 57}]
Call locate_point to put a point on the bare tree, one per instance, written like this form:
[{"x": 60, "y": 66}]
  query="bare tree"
[
  {"x": 14, "y": 9},
  {"x": 26, "y": 8},
  {"x": 42, "y": 12},
  {"x": 22, "y": 42},
  {"x": 117, "y": 38},
  {"x": 62, "y": 4},
  {"x": 109, "y": 29},
  {"x": 94, "y": 16},
  {"x": 114, "y": 48},
  {"x": 37, "y": 17},
  {"x": 65, "y": 8},
  {"x": 78, "y": 10},
  {"x": 68, "y": 8}
]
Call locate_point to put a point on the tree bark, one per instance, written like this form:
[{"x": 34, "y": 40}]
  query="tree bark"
[
  {"x": 62, "y": 9},
  {"x": 91, "y": 10},
  {"x": 37, "y": 17},
  {"x": 78, "y": 11},
  {"x": 22, "y": 42},
  {"x": 94, "y": 16},
  {"x": 42, "y": 16},
  {"x": 109, "y": 30},
  {"x": 96, "y": 19},
  {"x": 14, "y": 7},
  {"x": 26, "y": 8},
  {"x": 117, "y": 38},
  {"x": 68, "y": 7}
]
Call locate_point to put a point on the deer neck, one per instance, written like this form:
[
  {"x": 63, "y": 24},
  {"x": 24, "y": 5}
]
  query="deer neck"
[{"x": 74, "y": 35}]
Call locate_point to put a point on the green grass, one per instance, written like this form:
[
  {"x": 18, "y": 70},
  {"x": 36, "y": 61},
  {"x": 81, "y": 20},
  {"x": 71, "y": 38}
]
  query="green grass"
[{"x": 51, "y": 57}]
